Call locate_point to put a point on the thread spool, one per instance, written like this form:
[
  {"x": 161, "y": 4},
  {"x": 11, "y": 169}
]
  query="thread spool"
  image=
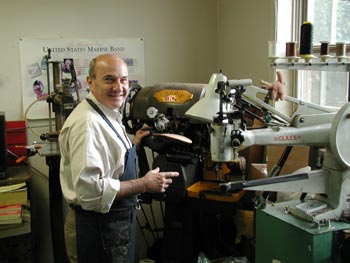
[
  {"x": 305, "y": 49},
  {"x": 291, "y": 49},
  {"x": 272, "y": 49},
  {"x": 324, "y": 50},
  {"x": 340, "y": 51}
]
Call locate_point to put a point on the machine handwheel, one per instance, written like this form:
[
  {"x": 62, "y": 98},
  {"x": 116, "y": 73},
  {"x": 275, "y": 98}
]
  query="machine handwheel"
[
  {"x": 339, "y": 139},
  {"x": 131, "y": 125}
]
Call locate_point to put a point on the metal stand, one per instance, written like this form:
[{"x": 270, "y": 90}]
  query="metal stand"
[{"x": 50, "y": 151}]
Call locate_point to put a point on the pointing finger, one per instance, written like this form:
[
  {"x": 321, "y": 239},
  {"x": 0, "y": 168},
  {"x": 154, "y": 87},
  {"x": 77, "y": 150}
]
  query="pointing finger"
[
  {"x": 170, "y": 174},
  {"x": 279, "y": 77}
]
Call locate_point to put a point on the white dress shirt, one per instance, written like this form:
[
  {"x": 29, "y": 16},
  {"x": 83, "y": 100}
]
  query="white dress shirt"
[{"x": 92, "y": 157}]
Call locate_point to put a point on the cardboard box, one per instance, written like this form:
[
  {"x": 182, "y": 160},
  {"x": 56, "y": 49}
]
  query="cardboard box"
[
  {"x": 253, "y": 154},
  {"x": 257, "y": 171},
  {"x": 298, "y": 158},
  {"x": 244, "y": 222}
]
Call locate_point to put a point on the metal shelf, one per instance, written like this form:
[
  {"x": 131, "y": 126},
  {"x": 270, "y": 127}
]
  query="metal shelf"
[{"x": 322, "y": 66}]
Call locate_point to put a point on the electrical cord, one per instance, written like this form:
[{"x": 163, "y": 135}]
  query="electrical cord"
[{"x": 27, "y": 110}]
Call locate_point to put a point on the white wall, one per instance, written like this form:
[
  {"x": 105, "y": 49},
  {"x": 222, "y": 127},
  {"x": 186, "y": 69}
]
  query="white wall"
[
  {"x": 244, "y": 27},
  {"x": 185, "y": 41},
  {"x": 179, "y": 35}
]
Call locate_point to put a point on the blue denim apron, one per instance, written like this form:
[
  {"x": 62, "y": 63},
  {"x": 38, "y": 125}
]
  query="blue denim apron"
[{"x": 109, "y": 237}]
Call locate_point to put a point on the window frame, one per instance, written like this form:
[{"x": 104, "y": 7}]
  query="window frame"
[{"x": 295, "y": 78}]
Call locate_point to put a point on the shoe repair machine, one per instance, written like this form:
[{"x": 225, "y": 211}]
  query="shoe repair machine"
[{"x": 210, "y": 124}]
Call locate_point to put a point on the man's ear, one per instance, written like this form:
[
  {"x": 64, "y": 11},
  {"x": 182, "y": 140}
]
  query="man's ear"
[{"x": 89, "y": 81}]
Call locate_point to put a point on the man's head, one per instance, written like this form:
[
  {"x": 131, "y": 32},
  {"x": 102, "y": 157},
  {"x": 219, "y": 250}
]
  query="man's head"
[
  {"x": 67, "y": 63},
  {"x": 108, "y": 80},
  {"x": 38, "y": 87}
]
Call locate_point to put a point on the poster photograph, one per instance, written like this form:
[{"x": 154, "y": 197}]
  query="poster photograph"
[{"x": 69, "y": 60}]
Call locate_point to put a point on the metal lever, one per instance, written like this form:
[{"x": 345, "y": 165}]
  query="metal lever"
[{"x": 234, "y": 186}]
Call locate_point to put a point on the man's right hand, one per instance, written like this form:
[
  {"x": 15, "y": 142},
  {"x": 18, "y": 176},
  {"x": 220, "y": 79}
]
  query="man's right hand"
[{"x": 157, "y": 181}]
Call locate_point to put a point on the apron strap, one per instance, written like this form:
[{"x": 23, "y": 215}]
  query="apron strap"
[{"x": 107, "y": 120}]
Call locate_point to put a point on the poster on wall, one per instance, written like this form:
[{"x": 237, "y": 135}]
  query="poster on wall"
[{"x": 44, "y": 61}]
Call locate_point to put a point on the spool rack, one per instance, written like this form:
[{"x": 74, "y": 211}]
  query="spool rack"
[{"x": 321, "y": 66}]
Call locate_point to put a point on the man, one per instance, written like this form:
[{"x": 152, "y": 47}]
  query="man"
[
  {"x": 98, "y": 169},
  {"x": 67, "y": 64},
  {"x": 38, "y": 88}
]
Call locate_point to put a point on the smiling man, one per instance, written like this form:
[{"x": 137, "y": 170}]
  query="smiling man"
[{"x": 98, "y": 170}]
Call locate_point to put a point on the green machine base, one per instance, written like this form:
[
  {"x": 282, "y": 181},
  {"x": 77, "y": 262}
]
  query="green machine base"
[{"x": 281, "y": 237}]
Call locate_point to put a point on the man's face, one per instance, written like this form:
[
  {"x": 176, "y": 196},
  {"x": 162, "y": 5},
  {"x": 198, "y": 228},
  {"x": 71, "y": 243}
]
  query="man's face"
[
  {"x": 37, "y": 90},
  {"x": 67, "y": 64},
  {"x": 111, "y": 84}
]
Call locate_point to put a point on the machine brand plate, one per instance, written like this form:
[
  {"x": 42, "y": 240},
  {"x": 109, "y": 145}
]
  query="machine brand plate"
[{"x": 173, "y": 95}]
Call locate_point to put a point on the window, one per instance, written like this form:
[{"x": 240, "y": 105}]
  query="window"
[{"x": 331, "y": 22}]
